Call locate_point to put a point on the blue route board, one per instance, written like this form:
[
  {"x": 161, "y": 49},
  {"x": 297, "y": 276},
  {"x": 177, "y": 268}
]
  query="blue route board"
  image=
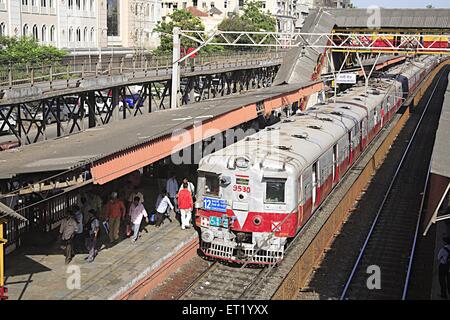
[{"x": 215, "y": 204}]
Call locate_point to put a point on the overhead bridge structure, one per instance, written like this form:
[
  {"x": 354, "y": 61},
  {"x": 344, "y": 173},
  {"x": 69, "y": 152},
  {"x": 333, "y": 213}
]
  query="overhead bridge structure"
[{"x": 72, "y": 98}]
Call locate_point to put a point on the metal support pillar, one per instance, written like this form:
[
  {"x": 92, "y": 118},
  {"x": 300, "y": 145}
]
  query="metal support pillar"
[
  {"x": 3, "y": 290},
  {"x": 175, "y": 69},
  {"x": 58, "y": 116},
  {"x": 333, "y": 68},
  {"x": 367, "y": 77},
  {"x": 115, "y": 104},
  {"x": 91, "y": 105}
]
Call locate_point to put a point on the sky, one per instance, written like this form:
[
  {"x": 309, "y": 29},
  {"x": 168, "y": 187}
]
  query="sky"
[{"x": 402, "y": 3}]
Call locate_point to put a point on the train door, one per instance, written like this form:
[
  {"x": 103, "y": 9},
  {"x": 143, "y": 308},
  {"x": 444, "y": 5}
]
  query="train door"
[
  {"x": 375, "y": 120},
  {"x": 315, "y": 184},
  {"x": 301, "y": 202},
  {"x": 335, "y": 164},
  {"x": 361, "y": 132},
  {"x": 350, "y": 148}
]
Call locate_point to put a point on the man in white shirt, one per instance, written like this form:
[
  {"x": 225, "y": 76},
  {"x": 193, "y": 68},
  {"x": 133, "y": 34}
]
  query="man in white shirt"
[
  {"x": 190, "y": 186},
  {"x": 443, "y": 260},
  {"x": 161, "y": 208},
  {"x": 136, "y": 193},
  {"x": 172, "y": 190},
  {"x": 137, "y": 212}
]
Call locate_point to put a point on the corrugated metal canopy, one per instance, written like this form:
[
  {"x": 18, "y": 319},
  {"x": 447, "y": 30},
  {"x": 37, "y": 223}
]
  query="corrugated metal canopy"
[
  {"x": 8, "y": 213},
  {"x": 439, "y": 180},
  {"x": 392, "y": 18},
  {"x": 440, "y": 160}
]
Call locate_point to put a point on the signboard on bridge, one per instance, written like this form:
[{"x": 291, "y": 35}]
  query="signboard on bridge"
[{"x": 346, "y": 78}]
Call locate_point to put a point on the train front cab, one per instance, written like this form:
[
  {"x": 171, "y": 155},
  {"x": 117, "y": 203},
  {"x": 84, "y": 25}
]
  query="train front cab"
[{"x": 241, "y": 233}]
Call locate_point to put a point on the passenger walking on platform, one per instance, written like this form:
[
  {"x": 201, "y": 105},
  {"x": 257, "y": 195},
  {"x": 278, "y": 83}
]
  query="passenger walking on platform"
[
  {"x": 161, "y": 209},
  {"x": 190, "y": 186},
  {"x": 444, "y": 264},
  {"x": 96, "y": 202},
  {"x": 115, "y": 211},
  {"x": 92, "y": 228},
  {"x": 137, "y": 212},
  {"x": 185, "y": 204},
  {"x": 79, "y": 238},
  {"x": 136, "y": 193},
  {"x": 172, "y": 190},
  {"x": 67, "y": 232},
  {"x": 84, "y": 207}
]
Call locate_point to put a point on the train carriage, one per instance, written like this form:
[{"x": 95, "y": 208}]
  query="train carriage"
[{"x": 255, "y": 195}]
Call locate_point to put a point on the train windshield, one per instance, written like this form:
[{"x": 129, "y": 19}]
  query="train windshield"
[
  {"x": 212, "y": 184},
  {"x": 275, "y": 190}
]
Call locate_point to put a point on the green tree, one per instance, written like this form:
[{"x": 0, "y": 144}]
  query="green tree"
[
  {"x": 185, "y": 21},
  {"x": 27, "y": 50},
  {"x": 253, "y": 19},
  {"x": 429, "y": 6}
]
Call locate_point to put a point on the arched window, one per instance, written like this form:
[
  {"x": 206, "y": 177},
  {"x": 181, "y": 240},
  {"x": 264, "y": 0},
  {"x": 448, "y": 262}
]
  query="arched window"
[
  {"x": 25, "y": 30},
  {"x": 43, "y": 3},
  {"x": 50, "y": 3},
  {"x": 147, "y": 10},
  {"x": 52, "y": 34},
  {"x": 84, "y": 5},
  {"x": 92, "y": 39},
  {"x": 78, "y": 35},
  {"x": 78, "y": 4},
  {"x": 91, "y": 7},
  {"x": 85, "y": 35},
  {"x": 153, "y": 12},
  {"x": 70, "y": 3},
  {"x": 2, "y": 29},
  {"x": 35, "y": 33},
  {"x": 44, "y": 33},
  {"x": 25, "y": 2},
  {"x": 136, "y": 9},
  {"x": 71, "y": 34}
]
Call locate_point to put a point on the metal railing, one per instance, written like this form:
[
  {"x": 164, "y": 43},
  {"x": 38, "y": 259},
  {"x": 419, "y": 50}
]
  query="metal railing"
[{"x": 30, "y": 74}]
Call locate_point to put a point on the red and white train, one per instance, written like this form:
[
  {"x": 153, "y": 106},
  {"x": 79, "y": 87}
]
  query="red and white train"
[{"x": 255, "y": 195}]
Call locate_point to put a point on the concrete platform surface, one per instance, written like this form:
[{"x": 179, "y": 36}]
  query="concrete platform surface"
[{"x": 36, "y": 273}]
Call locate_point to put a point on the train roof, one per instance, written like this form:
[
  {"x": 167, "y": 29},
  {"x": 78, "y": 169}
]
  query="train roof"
[{"x": 295, "y": 142}]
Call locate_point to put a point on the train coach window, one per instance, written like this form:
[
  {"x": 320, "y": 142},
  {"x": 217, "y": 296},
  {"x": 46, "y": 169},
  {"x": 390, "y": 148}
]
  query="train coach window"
[
  {"x": 212, "y": 184},
  {"x": 275, "y": 190}
]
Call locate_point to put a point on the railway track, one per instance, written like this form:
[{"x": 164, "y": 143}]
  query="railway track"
[
  {"x": 221, "y": 282},
  {"x": 391, "y": 240}
]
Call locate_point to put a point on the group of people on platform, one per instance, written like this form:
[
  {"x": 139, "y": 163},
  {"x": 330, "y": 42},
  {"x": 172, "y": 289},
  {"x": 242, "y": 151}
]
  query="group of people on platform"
[{"x": 80, "y": 228}]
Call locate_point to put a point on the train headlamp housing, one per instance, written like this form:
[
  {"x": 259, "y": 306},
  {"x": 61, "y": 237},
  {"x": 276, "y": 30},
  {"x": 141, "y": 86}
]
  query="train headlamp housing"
[
  {"x": 207, "y": 236},
  {"x": 257, "y": 220}
]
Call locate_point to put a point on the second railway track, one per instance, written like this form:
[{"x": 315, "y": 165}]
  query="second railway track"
[{"x": 389, "y": 243}]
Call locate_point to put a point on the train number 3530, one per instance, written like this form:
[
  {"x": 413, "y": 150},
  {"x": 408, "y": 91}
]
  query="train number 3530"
[{"x": 241, "y": 188}]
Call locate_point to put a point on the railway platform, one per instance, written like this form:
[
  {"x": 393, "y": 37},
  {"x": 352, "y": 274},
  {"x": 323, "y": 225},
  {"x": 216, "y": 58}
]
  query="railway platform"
[{"x": 39, "y": 272}]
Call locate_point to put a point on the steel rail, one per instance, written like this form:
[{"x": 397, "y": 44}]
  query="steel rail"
[
  {"x": 416, "y": 235},
  {"x": 386, "y": 195}
]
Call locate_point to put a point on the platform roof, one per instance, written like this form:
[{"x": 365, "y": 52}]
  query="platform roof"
[
  {"x": 394, "y": 18},
  {"x": 96, "y": 143},
  {"x": 440, "y": 161},
  {"x": 8, "y": 213},
  {"x": 439, "y": 180}
]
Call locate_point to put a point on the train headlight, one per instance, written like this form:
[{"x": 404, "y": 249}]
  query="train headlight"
[{"x": 207, "y": 236}]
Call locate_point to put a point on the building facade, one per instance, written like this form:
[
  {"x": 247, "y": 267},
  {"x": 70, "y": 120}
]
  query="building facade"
[
  {"x": 82, "y": 24},
  {"x": 130, "y": 23}
]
